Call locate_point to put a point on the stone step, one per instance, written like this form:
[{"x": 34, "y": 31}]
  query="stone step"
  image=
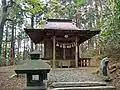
[
  {"x": 87, "y": 88},
  {"x": 34, "y": 88},
  {"x": 77, "y": 84}
]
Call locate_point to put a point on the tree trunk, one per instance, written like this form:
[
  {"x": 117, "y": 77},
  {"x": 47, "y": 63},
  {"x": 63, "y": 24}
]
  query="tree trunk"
[
  {"x": 6, "y": 39},
  {"x": 24, "y": 51},
  {"x": 91, "y": 43},
  {"x": 19, "y": 46},
  {"x": 3, "y": 20},
  {"x": 3, "y": 55},
  {"x": 12, "y": 46}
]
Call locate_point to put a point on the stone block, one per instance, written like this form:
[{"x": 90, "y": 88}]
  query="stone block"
[
  {"x": 77, "y": 84},
  {"x": 87, "y": 88}
]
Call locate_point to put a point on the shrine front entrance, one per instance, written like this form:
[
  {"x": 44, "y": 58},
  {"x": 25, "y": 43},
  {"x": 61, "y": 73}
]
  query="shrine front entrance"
[
  {"x": 68, "y": 58},
  {"x": 65, "y": 53}
]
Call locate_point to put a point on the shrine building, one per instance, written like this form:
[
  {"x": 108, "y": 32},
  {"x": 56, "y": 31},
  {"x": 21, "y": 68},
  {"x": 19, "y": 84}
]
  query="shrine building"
[{"x": 61, "y": 39}]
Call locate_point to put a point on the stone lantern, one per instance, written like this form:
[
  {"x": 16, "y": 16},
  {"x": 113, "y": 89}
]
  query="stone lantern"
[{"x": 36, "y": 71}]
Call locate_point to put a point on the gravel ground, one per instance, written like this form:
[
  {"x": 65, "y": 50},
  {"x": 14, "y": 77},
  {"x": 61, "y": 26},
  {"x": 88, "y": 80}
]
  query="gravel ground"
[{"x": 73, "y": 74}]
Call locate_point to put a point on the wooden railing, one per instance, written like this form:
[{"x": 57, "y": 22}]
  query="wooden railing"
[{"x": 84, "y": 62}]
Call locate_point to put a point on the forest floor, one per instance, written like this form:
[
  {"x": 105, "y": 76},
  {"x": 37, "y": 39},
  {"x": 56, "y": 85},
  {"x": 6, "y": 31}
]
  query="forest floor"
[
  {"x": 115, "y": 75},
  {"x": 7, "y": 82},
  {"x": 10, "y": 83}
]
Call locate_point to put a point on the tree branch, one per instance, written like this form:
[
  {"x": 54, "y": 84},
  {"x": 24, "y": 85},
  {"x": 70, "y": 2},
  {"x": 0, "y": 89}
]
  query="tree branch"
[
  {"x": 10, "y": 3},
  {"x": 9, "y": 19}
]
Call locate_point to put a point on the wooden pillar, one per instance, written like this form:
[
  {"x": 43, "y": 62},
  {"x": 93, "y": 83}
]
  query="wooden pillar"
[
  {"x": 54, "y": 51},
  {"x": 44, "y": 48},
  {"x": 76, "y": 52},
  {"x": 80, "y": 51},
  {"x": 64, "y": 56}
]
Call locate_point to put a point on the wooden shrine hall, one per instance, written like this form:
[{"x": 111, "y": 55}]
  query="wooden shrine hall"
[{"x": 61, "y": 39}]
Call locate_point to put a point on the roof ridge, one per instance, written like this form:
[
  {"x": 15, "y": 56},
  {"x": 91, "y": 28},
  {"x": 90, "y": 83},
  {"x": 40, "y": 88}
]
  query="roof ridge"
[{"x": 59, "y": 20}]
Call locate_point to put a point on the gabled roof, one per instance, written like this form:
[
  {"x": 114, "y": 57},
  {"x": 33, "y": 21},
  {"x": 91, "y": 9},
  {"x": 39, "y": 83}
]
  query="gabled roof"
[{"x": 60, "y": 28}]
